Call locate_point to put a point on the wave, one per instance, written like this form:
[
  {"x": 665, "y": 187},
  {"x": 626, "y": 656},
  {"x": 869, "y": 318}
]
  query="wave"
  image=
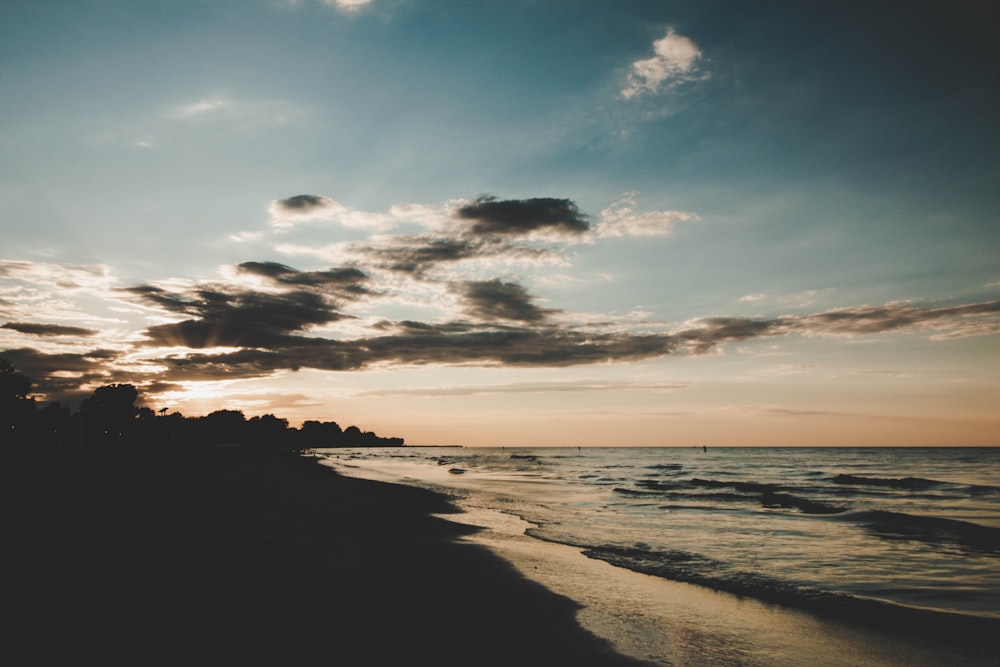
[
  {"x": 915, "y": 483},
  {"x": 710, "y": 573},
  {"x": 806, "y": 506},
  {"x": 746, "y": 487},
  {"x": 768, "y": 495},
  {"x": 635, "y": 492},
  {"x": 654, "y": 485},
  {"x": 936, "y": 530}
]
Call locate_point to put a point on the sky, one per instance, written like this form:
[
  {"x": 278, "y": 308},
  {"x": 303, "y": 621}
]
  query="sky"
[{"x": 511, "y": 222}]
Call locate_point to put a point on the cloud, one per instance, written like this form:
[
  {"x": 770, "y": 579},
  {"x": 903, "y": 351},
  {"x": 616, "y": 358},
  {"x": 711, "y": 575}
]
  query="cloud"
[
  {"x": 483, "y": 230},
  {"x": 36, "y": 329},
  {"x": 521, "y": 217},
  {"x": 958, "y": 321},
  {"x": 415, "y": 254},
  {"x": 347, "y": 5},
  {"x": 34, "y": 294},
  {"x": 63, "y": 276},
  {"x": 200, "y": 109},
  {"x": 266, "y": 333},
  {"x": 675, "y": 61},
  {"x": 621, "y": 219},
  {"x": 65, "y": 376},
  {"x": 224, "y": 316},
  {"x": 525, "y": 388},
  {"x": 301, "y": 208},
  {"x": 419, "y": 255},
  {"x": 286, "y": 213},
  {"x": 262, "y": 317},
  {"x": 235, "y": 113},
  {"x": 347, "y": 283},
  {"x": 429, "y": 344},
  {"x": 540, "y": 343},
  {"x": 492, "y": 300},
  {"x": 344, "y": 6}
]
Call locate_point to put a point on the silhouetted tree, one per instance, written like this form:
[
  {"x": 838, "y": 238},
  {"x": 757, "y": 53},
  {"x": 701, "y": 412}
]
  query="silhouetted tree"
[
  {"x": 109, "y": 414},
  {"x": 16, "y": 408},
  {"x": 223, "y": 427},
  {"x": 56, "y": 425},
  {"x": 352, "y": 436},
  {"x": 268, "y": 430},
  {"x": 321, "y": 434}
]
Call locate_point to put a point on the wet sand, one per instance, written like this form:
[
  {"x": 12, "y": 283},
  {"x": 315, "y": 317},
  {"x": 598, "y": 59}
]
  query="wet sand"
[
  {"x": 667, "y": 622},
  {"x": 233, "y": 556},
  {"x": 674, "y": 623}
]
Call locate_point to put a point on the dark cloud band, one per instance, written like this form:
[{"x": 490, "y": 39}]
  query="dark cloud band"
[
  {"x": 35, "y": 329},
  {"x": 269, "y": 329}
]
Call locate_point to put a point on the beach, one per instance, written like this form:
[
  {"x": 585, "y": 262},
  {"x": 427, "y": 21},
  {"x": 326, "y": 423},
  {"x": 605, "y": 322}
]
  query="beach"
[
  {"x": 625, "y": 532},
  {"x": 255, "y": 557}
]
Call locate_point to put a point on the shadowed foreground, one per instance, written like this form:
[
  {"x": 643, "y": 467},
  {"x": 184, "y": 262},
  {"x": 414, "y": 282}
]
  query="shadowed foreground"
[{"x": 249, "y": 557}]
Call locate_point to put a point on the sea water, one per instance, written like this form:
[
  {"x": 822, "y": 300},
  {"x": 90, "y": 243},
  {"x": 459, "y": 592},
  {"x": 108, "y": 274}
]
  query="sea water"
[{"x": 910, "y": 535}]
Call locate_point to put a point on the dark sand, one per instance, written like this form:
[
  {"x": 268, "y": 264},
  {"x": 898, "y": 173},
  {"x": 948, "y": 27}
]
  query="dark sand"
[{"x": 240, "y": 557}]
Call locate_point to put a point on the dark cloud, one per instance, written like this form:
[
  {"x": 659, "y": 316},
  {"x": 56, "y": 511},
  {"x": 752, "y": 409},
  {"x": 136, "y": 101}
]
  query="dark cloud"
[
  {"x": 275, "y": 329},
  {"x": 346, "y": 282},
  {"x": 245, "y": 319},
  {"x": 174, "y": 302},
  {"x": 949, "y": 321},
  {"x": 303, "y": 204},
  {"x": 48, "y": 329},
  {"x": 518, "y": 217},
  {"x": 230, "y": 316},
  {"x": 60, "y": 377},
  {"x": 416, "y": 254},
  {"x": 707, "y": 333},
  {"x": 895, "y": 316},
  {"x": 236, "y": 318},
  {"x": 492, "y": 300},
  {"x": 508, "y": 346}
]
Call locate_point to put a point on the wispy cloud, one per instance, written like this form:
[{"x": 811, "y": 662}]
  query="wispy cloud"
[
  {"x": 32, "y": 291},
  {"x": 347, "y": 5},
  {"x": 235, "y": 112},
  {"x": 307, "y": 208},
  {"x": 786, "y": 299},
  {"x": 200, "y": 109},
  {"x": 526, "y": 388},
  {"x": 675, "y": 61},
  {"x": 621, "y": 219}
]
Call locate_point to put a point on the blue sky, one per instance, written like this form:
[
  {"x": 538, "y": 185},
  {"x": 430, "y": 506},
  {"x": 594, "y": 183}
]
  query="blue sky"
[{"x": 519, "y": 222}]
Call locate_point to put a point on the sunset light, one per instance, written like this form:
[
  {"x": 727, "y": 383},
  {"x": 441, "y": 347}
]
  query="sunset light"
[
  {"x": 598, "y": 333},
  {"x": 802, "y": 252}
]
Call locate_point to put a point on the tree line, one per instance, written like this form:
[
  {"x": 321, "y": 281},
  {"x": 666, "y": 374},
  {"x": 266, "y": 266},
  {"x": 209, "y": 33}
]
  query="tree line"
[{"x": 111, "y": 416}]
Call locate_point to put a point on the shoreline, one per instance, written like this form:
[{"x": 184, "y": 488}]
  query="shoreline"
[
  {"x": 242, "y": 556},
  {"x": 652, "y": 617}
]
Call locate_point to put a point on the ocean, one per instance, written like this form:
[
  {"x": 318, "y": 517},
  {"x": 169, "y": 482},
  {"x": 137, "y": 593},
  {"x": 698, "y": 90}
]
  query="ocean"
[{"x": 896, "y": 539}]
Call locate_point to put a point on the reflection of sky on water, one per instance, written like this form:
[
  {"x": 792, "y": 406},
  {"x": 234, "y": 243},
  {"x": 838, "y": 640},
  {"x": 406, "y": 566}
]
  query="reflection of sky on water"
[{"x": 648, "y": 617}]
